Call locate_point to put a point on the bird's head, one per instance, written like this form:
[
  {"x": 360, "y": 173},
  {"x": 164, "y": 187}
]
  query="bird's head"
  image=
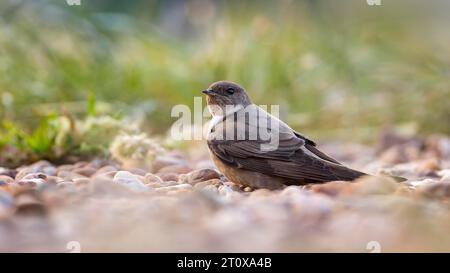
[{"x": 226, "y": 94}]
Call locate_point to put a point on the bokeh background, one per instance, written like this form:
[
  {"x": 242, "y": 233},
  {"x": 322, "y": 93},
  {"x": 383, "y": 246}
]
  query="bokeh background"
[{"x": 340, "y": 69}]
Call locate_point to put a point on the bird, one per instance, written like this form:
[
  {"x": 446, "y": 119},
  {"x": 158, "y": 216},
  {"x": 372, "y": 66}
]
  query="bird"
[{"x": 247, "y": 157}]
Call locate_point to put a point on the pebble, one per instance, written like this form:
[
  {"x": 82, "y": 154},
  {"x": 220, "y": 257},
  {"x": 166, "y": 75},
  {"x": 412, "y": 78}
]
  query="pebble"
[
  {"x": 163, "y": 184},
  {"x": 67, "y": 175},
  {"x": 437, "y": 190},
  {"x": 201, "y": 175},
  {"x": 28, "y": 203},
  {"x": 68, "y": 186},
  {"x": 152, "y": 178},
  {"x": 130, "y": 180},
  {"x": 6, "y": 201},
  {"x": 168, "y": 176},
  {"x": 212, "y": 182},
  {"x": 106, "y": 169},
  {"x": 333, "y": 188},
  {"x": 33, "y": 182},
  {"x": 85, "y": 171},
  {"x": 8, "y": 172},
  {"x": 421, "y": 183},
  {"x": 445, "y": 175},
  {"x": 54, "y": 179},
  {"x": 6, "y": 179},
  {"x": 233, "y": 186},
  {"x": 182, "y": 187}
]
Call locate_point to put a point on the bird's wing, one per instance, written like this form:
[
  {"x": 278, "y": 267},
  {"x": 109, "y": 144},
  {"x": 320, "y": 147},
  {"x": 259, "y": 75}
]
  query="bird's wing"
[
  {"x": 311, "y": 146},
  {"x": 293, "y": 158}
]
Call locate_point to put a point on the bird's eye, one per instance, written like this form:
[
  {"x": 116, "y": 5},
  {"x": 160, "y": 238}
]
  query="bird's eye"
[{"x": 230, "y": 90}]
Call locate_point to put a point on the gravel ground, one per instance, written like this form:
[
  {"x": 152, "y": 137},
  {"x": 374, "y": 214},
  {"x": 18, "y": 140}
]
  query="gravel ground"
[{"x": 178, "y": 205}]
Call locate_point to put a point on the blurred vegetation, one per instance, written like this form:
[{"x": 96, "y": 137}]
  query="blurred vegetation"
[{"x": 339, "y": 68}]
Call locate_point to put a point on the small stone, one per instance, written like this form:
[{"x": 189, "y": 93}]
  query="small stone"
[
  {"x": 182, "y": 187},
  {"x": 431, "y": 164},
  {"x": 208, "y": 188},
  {"x": 85, "y": 171},
  {"x": 152, "y": 178},
  {"x": 233, "y": 186},
  {"x": 438, "y": 190},
  {"x": 333, "y": 188},
  {"x": 262, "y": 192},
  {"x": 35, "y": 176},
  {"x": 28, "y": 203},
  {"x": 200, "y": 176},
  {"x": 80, "y": 164},
  {"x": 168, "y": 176},
  {"x": 106, "y": 169},
  {"x": 6, "y": 179},
  {"x": 369, "y": 185},
  {"x": 212, "y": 182},
  {"x": 445, "y": 175},
  {"x": 6, "y": 202},
  {"x": 66, "y": 167},
  {"x": 81, "y": 181},
  {"x": 164, "y": 184},
  {"x": 68, "y": 186},
  {"x": 25, "y": 171},
  {"x": 130, "y": 180},
  {"x": 66, "y": 175},
  {"x": 8, "y": 172},
  {"x": 54, "y": 179},
  {"x": 422, "y": 183},
  {"x": 248, "y": 189},
  {"x": 34, "y": 182},
  {"x": 106, "y": 175}
]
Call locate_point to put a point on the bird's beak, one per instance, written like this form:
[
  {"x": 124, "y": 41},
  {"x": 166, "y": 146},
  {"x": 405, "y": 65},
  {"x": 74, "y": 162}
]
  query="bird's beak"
[{"x": 209, "y": 92}]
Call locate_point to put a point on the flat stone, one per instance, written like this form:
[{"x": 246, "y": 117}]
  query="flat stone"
[
  {"x": 200, "y": 176},
  {"x": 212, "y": 182},
  {"x": 6, "y": 179},
  {"x": 130, "y": 180},
  {"x": 152, "y": 178},
  {"x": 85, "y": 171},
  {"x": 168, "y": 176}
]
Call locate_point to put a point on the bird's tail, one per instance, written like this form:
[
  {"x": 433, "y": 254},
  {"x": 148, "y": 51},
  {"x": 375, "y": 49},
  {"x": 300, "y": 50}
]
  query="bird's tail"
[{"x": 398, "y": 178}]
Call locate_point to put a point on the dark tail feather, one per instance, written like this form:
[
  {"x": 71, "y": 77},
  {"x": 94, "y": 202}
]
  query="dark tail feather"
[{"x": 398, "y": 178}]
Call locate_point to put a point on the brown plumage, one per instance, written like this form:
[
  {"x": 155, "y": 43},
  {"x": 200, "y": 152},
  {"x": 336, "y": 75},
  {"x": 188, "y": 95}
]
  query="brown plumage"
[{"x": 295, "y": 160}]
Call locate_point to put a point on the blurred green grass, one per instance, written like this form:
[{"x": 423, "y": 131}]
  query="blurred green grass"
[{"x": 337, "y": 69}]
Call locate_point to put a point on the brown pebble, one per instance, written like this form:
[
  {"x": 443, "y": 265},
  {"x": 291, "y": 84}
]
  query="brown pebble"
[
  {"x": 152, "y": 178},
  {"x": 200, "y": 176},
  {"x": 28, "y": 203},
  {"x": 168, "y": 176},
  {"x": 438, "y": 190},
  {"x": 106, "y": 169},
  {"x": 69, "y": 175},
  {"x": 211, "y": 182},
  {"x": 54, "y": 179},
  {"x": 85, "y": 171},
  {"x": 333, "y": 188},
  {"x": 6, "y": 179}
]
